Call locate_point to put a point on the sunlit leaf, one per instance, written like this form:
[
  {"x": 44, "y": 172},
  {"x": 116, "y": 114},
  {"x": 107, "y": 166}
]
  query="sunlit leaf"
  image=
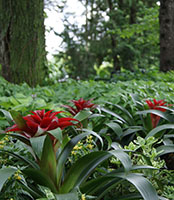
[
  {"x": 17, "y": 117},
  {"x": 165, "y": 149},
  {"x": 6, "y": 173},
  {"x": 57, "y": 133},
  {"x": 116, "y": 128},
  {"x": 8, "y": 116},
  {"x": 83, "y": 114},
  {"x": 113, "y": 114},
  {"x": 37, "y": 145},
  {"x": 156, "y": 130},
  {"x": 68, "y": 196},
  {"x": 163, "y": 115},
  {"x": 142, "y": 184}
]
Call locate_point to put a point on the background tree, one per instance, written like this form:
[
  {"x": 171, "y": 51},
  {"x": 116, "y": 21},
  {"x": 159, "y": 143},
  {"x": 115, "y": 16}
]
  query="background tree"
[
  {"x": 122, "y": 33},
  {"x": 22, "y": 41},
  {"x": 166, "y": 35}
]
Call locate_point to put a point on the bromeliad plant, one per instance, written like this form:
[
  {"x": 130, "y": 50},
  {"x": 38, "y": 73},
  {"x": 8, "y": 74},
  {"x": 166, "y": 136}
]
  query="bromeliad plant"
[
  {"x": 83, "y": 109},
  {"x": 39, "y": 124},
  {"x": 42, "y": 133},
  {"x": 80, "y": 104},
  {"x": 138, "y": 120}
]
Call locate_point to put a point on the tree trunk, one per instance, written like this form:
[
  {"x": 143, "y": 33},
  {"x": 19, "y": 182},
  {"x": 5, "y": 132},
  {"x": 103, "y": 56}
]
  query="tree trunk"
[
  {"x": 22, "y": 41},
  {"x": 133, "y": 12},
  {"x": 116, "y": 65},
  {"x": 166, "y": 35}
]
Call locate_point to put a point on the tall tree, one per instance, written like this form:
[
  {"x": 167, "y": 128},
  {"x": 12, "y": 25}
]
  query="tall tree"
[
  {"x": 116, "y": 66},
  {"x": 22, "y": 41},
  {"x": 166, "y": 35},
  {"x": 123, "y": 33}
]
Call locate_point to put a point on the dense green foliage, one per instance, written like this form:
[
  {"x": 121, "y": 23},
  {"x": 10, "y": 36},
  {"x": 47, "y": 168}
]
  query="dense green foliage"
[
  {"x": 124, "y": 34},
  {"x": 121, "y": 120},
  {"x": 107, "y": 138}
]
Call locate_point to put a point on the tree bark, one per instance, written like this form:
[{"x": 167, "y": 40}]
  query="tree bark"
[
  {"x": 166, "y": 18},
  {"x": 133, "y": 12},
  {"x": 116, "y": 64},
  {"x": 22, "y": 41}
]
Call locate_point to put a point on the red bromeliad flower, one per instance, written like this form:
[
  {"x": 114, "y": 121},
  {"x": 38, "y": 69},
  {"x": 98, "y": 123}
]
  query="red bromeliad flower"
[
  {"x": 155, "y": 105},
  {"x": 40, "y": 122},
  {"x": 80, "y": 104}
]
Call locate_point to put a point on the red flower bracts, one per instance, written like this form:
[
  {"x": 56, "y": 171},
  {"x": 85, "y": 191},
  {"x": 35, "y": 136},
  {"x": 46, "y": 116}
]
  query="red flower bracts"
[
  {"x": 155, "y": 105},
  {"x": 80, "y": 104},
  {"x": 40, "y": 122}
]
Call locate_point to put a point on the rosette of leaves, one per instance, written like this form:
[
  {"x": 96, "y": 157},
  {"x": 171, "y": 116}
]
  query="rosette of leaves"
[{"x": 48, "y": 168}]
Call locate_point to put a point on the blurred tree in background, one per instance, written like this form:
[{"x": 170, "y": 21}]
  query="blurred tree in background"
[
  {"x": 114, "y": 35},
  {"x": 166, "y": 35},
  {"x": 22, "y": 41},
  {"x": 122, "y": 33}
]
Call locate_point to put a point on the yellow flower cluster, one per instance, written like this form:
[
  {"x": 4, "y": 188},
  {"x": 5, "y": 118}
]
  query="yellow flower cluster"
[
  {"x": 83, "y": 197},
  {"x": 17, "y": 176},
  {"x": 73, "y": 153},
  {"x": 2, "y": 142},
  {"x": 89, "y": 140},
  {"x": 76, "y": 148},
  {"x": 90, "y": 146}
]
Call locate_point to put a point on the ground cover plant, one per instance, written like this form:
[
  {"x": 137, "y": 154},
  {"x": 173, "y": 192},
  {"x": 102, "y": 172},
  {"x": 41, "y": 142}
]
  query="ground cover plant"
[
  {"x": 95, "y": 121},
  {"x": 124, "y": 129}
]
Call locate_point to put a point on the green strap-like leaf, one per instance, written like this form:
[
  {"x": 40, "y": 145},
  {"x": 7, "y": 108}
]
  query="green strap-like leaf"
[
  {"x": 166, "y": 108},
  {"x": 109, "y": 140},
  {"x": 83, "y": 114},
  {"x": 82, "y": 168},
  {"x": 123, "y": 157},
  {"x": 41, "y": 178},
  {"x": 8, "y": 116},
  {"x": 85, "y": 165},
  {"x": 137, "y": 167},
  {"x": 57, "y": 133},
  {"x": 68, "y": 196},
  {"x": 101, "y": 185},
  {"x": 131, "y": 130},
  {"x": 37, "y": 144},
  {"x": 131, "y": 196},
  {"x": 93, "y": 133},
  {"x": 28, "y": 162},
  {"x": 164, "y": 115},
  {"x": 113, "y": 114},
  {"x": 34, "y": 191},
  {"x": 5, "y": 173},
  {"x": 61, "y": 160},
  {"x": 136, "y": 100},
  {"x": 156, "y": 130},
  {"x": 17, "y": 117},
  {"x": 142, "y": 185},
  {"x": 48, "y": 159},
  {"x": 116, "y": 128},
  {"x": 17, "y": 136},
  {"x": 130, "y": 117},
  {"x": 94, "y": 185},
  {"x": 165, "y": 149}
]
